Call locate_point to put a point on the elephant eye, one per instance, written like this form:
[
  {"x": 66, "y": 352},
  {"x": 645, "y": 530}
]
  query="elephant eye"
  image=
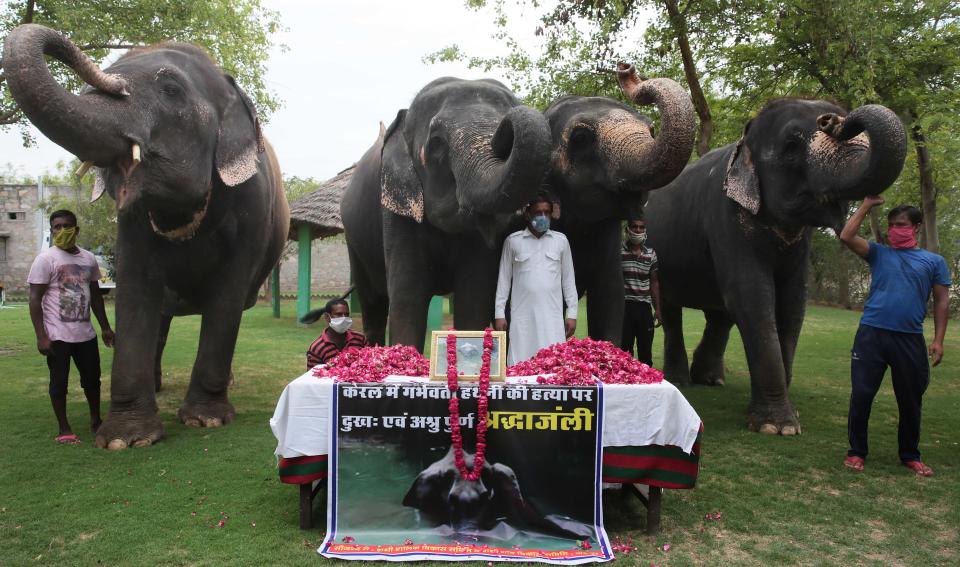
[
  {"x": 580, "y": 140},
  {"x": 171, "y": 89}
]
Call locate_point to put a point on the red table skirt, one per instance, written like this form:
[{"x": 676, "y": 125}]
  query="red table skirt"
[{"x": 664, "y": 466}]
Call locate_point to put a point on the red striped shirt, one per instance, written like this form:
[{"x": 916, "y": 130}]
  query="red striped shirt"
[{"x": 323, "y": 349}]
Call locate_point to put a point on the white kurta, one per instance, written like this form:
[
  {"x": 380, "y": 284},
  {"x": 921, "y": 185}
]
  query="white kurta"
[{"x": 537, "y": 275}]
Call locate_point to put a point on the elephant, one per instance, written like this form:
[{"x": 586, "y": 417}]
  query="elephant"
[
  {"x": 430, "y": 202},
  {"x": 201, "y": 213},
  {"x": 605, "y": 161},
  {"x": 732, "y": 234}
]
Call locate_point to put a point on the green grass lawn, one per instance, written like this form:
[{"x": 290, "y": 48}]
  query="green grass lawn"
[{"x": 784, "y": 501}]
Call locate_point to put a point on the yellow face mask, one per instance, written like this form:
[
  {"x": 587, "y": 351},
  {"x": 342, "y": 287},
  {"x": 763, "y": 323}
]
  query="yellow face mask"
[{"x": 66, "y": 238}]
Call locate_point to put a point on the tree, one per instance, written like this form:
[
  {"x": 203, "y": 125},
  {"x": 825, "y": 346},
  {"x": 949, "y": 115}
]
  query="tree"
[{"x": 237, "y": 33}]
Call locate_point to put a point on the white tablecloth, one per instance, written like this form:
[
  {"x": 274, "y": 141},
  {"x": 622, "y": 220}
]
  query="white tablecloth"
[{"x": 633, "y": 415}]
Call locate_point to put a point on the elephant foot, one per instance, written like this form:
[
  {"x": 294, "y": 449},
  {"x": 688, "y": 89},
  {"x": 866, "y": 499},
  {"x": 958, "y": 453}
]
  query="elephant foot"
[
  {"x": 676, "y": 375},
  {"x": 711, "y": 377},
  {"x": 206, "y": 413},
  {"x": 129, "y": 429},
  {"x": 773, "y": 420}
]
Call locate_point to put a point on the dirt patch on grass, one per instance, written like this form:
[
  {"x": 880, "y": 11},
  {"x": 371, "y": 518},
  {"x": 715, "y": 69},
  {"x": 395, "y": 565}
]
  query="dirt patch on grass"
[
  {"x": 878, "y": 531},
  {"x": 82, "y": 537}
]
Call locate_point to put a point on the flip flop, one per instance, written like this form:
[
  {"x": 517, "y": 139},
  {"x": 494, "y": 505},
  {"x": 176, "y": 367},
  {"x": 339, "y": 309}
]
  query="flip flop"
[
  {"x": 68, "y": 439},
  {"x": 855, "y": 463},
  {"x": 919, "y": 468}
]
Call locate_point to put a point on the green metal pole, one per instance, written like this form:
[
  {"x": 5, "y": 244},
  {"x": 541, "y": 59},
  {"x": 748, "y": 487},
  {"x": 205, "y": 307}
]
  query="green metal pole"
[
  {"x": 303, "y": 269},
  {"x": 275, "y": 291}
]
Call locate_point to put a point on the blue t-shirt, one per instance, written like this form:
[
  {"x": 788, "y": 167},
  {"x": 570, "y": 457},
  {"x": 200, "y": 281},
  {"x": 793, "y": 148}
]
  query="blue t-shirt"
[{"x": 900, "y": 285}]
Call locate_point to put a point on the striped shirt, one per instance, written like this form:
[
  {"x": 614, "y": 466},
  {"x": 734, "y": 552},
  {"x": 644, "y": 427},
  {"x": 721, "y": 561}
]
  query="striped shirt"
[
  {"x": 636, "y": 273},
  {"x": 323, "y": 349}
]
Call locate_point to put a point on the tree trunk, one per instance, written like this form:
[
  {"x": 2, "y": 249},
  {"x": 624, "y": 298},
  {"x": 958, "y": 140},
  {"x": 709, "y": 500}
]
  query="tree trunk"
[
  {"x": 930, "y": 239},
  {"x": 705, "y": 131}
]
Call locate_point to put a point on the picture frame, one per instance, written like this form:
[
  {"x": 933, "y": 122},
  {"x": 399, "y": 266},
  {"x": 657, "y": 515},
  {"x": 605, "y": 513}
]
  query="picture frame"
[{"x": 469, "y": 353}]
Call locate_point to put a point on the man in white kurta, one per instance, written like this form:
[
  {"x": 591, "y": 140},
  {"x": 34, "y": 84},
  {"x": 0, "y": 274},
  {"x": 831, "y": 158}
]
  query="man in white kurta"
[{"x": 536, "y": 273}]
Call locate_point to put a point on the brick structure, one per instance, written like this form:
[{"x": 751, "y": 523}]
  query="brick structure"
[
  {"x": 329, "y": 268},
  {"x": 23, "y": 230}
]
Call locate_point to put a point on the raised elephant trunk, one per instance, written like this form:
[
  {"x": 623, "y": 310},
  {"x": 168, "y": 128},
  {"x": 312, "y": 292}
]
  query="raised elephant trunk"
[
  {"x": 500, "y": 174},
  {"x": 657, "y": 161},
  {"x": 853, "y": 165},
  {"x": 82, "y": 126}
]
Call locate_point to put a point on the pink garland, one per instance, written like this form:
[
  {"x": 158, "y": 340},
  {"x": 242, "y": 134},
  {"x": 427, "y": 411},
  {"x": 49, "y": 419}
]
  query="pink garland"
[
  {"x": 454, "y": 406},
  {"x": 580, "y": 362},
  {"x": 374, "y": 363}
]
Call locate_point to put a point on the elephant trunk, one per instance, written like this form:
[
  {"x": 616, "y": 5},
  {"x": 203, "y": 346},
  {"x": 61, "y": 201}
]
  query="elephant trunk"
[
  {"x": 502, "y": 172},
  {"x": 656, "y": 162},
  {"x": 854, "y": 165},
  {"x": 86, "y": 128}
]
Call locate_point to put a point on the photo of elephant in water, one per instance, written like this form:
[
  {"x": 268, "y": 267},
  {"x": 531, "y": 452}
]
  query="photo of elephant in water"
[
  {"x": 429, "y": 204},
  {"x": 201, "y": 213},
  {"x": 605, "y": 162},
  {"x": 732, "y": 234}
]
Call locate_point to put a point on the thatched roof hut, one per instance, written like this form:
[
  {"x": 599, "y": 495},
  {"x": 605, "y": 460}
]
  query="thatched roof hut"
[{"x": 320, "y": 209}]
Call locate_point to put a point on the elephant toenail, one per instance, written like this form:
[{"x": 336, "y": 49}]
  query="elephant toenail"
[
  {"x": 142, "y": 443},
  {"x": 769, "y": 429},
  {"x": 213, "y": 422},
  {"x": 789, "y": 430},
  {"x": 117, "y": 445}
]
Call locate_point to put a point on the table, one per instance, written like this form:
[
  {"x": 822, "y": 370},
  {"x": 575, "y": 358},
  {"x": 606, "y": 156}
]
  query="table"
[{"x": 651, "y": 436}]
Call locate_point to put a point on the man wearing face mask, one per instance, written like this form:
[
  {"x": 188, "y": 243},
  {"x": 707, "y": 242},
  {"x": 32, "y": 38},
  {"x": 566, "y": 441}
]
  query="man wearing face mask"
[
  {"x": 63, "y": 291},
  {"x": 337, "y": 337},
  {"x": 902, "y": 277},
  {"x": 641, "y": 291},
  {"x": 536, "y": 274}
]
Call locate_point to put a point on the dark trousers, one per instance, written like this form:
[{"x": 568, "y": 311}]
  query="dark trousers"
[
  {"x": 638, "y": 327},
  {"x": 906, "y": 354},
  {"x": 85, "y": 355}
]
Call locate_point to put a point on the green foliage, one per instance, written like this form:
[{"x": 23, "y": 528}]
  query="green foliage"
[
  {"x": 784, "y": 501},
  {"x": 237, "y": 33},
  {"x": 296, "y": 187}
]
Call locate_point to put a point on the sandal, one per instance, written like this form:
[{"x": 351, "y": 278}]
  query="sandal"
[
  {"x": 919, "y": 468},
  {"x": 67, "y": 439},
  {"x": 855, "y": 463}
]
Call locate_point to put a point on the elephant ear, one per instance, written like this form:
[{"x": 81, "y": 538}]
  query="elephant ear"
[
  {"x": 400, "y": 188},
  {"x": 239, "y": 140},
  {"x": 741, "y": 183}
]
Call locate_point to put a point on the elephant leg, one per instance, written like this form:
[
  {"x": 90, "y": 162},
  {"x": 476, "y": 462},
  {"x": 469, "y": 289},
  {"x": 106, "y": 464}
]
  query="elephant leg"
[
  {"x": 373, "y": 304},
  {"x": 753, "y": 307},
  {"x": 408, "y": 281},
  {"x": 132, "y": 419},
  {"x": 605, "y": 297},
  {"x": 161, "y": 344},
  {"x": 475, "y": 290},
  {"x": 707, "y": 366},
  {"x": 675, "y": 367},
  {"x": 791, "y": 308},
  {"x": 206, "y": 402}
]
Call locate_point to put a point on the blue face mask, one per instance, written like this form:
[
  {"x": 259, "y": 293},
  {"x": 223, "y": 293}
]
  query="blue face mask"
[{"x": 540, "y": 223}]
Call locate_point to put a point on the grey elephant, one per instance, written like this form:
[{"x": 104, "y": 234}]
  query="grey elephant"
[
  {"x": 201, "y": 212},
  {"x": 604, "y": 163},
  {"x": 732, "y": 234},
  {"x": 430, "y": 202}
]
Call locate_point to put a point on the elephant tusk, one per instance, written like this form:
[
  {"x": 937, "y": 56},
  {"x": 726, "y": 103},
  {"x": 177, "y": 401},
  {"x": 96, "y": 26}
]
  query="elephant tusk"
[
  {"x": 83, "y": 169},
  {"x": 136, "y": 154},
  {"x": 99, "y": 187}
]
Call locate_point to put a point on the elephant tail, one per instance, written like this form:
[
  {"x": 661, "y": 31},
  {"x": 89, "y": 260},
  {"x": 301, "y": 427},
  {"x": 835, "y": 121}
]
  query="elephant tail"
[{"x": 313, "y": 316}]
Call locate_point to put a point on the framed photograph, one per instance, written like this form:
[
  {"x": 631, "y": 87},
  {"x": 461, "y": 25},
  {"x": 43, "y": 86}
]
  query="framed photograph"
[{"x": 469, "y": 352}]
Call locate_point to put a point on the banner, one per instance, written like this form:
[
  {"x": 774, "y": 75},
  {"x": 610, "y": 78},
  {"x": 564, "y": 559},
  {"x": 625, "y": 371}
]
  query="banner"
[{"x": 395, "y": 492}]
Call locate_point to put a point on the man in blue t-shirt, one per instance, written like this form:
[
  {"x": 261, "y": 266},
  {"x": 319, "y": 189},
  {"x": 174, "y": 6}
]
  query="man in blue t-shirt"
[{"x": 891, "y": 329}]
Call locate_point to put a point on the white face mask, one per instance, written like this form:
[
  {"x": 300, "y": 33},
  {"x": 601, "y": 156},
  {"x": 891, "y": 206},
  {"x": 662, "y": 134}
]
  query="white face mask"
[{"x": 341, "y": 324}]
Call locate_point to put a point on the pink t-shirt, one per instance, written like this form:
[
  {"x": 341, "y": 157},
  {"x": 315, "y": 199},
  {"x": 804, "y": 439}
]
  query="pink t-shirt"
[{"x": 66, "y": 305}]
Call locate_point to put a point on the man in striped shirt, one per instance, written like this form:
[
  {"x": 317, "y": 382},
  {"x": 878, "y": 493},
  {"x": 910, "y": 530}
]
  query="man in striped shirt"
[
  {"x": 641, "y": 290},
  {"x": 337, "y": 337}
]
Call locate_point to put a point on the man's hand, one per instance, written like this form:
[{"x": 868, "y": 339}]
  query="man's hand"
[
  {"x": 872, "y": 201},
  {"x": 935, "y": 352},
  {"x": 499, "y": 324},
  {"x": 657, "y": 321},
  {"x": 569, "y": 327},
  {"x": 44, "y": 346},
  {"x": 107, "y": 336}
]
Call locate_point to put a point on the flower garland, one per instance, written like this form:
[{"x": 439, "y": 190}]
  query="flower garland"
[
  {"x": 584, "y": 361},
  {"x": 454, "y": 406},
  {"x": 374, "y": 363}
]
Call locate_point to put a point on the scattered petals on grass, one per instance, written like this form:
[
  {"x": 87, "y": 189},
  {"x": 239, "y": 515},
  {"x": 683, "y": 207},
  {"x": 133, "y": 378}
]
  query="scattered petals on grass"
[{"x": 666, "y": 547}]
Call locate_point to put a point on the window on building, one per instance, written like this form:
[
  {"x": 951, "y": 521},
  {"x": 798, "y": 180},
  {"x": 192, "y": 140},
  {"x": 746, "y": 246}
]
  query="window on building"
[
  {"x": 3, "y": 248},
  {"x": 16, "y": 215}
]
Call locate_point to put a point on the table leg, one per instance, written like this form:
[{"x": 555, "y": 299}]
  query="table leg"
[
  {"x": 654, "y": 502},
  {"x": 306, "y": 506}
]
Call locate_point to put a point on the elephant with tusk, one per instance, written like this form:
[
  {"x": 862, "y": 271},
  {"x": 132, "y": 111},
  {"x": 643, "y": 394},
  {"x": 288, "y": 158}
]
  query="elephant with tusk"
[
  {"x": 201, "y": 213},
  {"x": 605, "y": 161},
  {"x": 732, "y": 234}
]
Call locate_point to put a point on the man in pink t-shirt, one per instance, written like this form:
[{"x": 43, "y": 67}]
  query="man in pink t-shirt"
[{"x": 63, "y": 291}]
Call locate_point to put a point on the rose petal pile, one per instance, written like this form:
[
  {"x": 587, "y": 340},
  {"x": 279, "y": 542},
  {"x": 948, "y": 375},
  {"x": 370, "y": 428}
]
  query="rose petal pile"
[
  {"x": 374, "y": 363},
  {"x": 580, "y": 362}
]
